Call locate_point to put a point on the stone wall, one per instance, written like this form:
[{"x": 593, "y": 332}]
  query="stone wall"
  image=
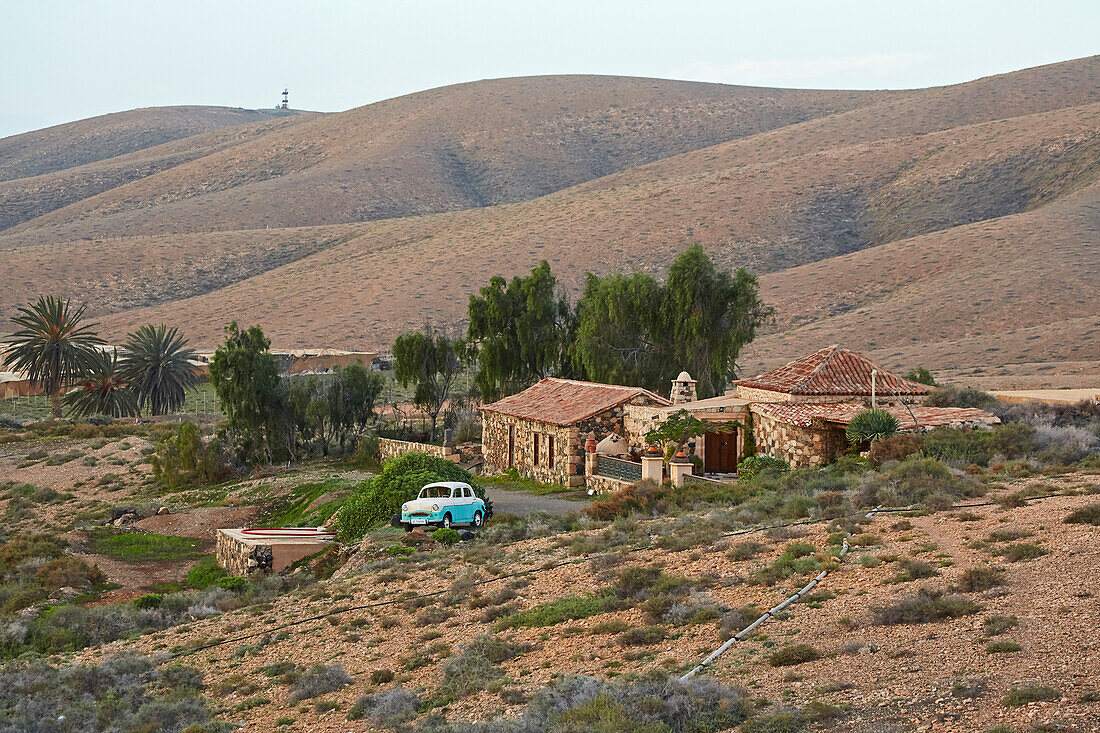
[
  {"x": 796, "y": 445},
  {"x": 389, "y": 448},
  {"x": 242, "y": 558},
  {"x": 605, "y": 484}
]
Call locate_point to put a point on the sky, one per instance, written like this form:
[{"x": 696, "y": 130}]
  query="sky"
[{"x": 69, "y": 59}]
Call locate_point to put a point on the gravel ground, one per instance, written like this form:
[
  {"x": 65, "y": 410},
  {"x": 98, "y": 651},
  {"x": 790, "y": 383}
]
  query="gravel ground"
[{"x": 521, "y": 503}]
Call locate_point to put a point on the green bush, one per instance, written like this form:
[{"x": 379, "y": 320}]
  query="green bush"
[
  {"x": 926, "y": 606},
  {"x": 379, "y": 498},
  {"x": 1020, "y": 696},
  {"x": 555, "y": 612},
  {"x": 446, "y": 536},
  {"x": 980, "y": 578},
  {"x": 231, "y": 582},
  {"x": 794, "y": 654},
  {"x": 149, "y": 600},
  {"x": 206, "y": 573},
  {"x": 753, "y": 465},
  {"x": 950, "y": 396},
  {"x": 1085, "y": 515},
  {"x": 367, "y": 453},
  {"x": 182, "y": 459}
]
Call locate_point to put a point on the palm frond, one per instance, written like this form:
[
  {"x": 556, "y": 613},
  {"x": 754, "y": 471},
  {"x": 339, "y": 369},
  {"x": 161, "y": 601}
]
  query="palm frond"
[
  {"x": 103, "y": 391},
  {"x": 52, "y": 347}
]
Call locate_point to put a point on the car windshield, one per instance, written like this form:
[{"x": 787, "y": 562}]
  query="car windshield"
[{"x": 435, "y": 492}]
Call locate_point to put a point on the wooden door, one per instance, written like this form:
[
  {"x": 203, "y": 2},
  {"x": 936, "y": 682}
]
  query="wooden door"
[{"x": 721, "y": 453}]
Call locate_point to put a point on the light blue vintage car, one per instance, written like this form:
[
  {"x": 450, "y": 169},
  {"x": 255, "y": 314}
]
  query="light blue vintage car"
[{"x": 444, "y": 503}]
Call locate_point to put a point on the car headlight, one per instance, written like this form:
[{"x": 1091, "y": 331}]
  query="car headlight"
[
  {"x": 435, "y": 507},
  {"x": 405, "y": 507}
]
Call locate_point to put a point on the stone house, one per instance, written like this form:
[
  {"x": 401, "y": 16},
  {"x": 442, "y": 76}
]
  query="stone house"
[
  {"x": 801, "y": 409},
  {"x": 541, "y": 431}
]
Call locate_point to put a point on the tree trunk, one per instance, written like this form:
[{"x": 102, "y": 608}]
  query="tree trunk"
[{"x": 55, "y": 403}]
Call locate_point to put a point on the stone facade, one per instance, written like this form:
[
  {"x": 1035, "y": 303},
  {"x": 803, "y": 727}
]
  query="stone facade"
[
  {"x": 567, "y": 465},
  {"x": 605, "y": 484},
  {"x": 796, "y": 445}
]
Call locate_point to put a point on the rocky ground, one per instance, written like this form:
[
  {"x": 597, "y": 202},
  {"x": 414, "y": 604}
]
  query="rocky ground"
[{"x": 950, "y": 674}]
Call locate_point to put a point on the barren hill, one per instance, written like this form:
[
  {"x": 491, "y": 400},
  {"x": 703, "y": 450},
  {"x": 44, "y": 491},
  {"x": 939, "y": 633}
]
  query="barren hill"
[
  {"x": 98, "y": 138},
  {"x": 953, "y": 226}
]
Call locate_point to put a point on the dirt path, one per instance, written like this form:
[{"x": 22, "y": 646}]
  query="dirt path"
[{"x": 521, "y": 503}]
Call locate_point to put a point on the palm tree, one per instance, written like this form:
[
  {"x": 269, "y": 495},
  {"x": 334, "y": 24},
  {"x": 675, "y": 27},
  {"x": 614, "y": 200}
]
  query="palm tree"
[
  {"x": 52, "y": 348},
  {"x": 103, "y": 391},
  {"x": 156, "y": 363}
]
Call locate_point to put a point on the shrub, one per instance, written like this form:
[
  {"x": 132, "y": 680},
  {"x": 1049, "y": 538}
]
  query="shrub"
[
  {"x": 149, "y": 600},
  {"x": 913, "y": 570},
  {"x": 390, "y": 708},
  {"x": 896, "y": 447},
  {"x": 381, "y": 676},
  {"x": 926, "y": 606},
  {"x": 649, "y": 704},
  {"x": 870, "y": 426},
  {"x": 319, "y": 680},
  {"x": 784, "y": 721},
  {"x": 476, "y": 665},
  {"x": 949, "y": 396},
  {"x": 1020, "y": 551},
  {"x": 980, "y": 578},
  {"x": 555, "y": 612},
  {"x": 1002, "y": 647},
  {"x": 964, "y": 445},
  {"x": 1085, "y": 515},
  {"x": 182, "y": 459},
  {"x": 745, "y": 550},
  {"x": 996, "y": 625},
  {"x": 205, "y": 573},
  {"x": 748, "y": 468},
  {"x": 1022, "y": 695},
  {"x": 446, "y": 536},
  {"x": 789, "y": 656},
  {"x": 642, "y": 636},
  {"x": 367, "y": 453},
  {"x": 377, "y": 499},
  {"x": 120, "y": 693}
]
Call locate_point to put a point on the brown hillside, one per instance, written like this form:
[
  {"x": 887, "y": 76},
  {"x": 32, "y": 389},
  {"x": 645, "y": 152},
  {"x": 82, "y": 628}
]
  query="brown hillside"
[
  {"x": 27, "y": 198},
  {"x": 398, "y": 272},
  {"x": 452, "y": 148},
  {"x": 98, "y": 138}
]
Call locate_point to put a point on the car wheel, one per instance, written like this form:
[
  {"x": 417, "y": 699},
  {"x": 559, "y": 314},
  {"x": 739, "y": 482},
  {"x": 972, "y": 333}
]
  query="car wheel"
[
  {"x": 446, "y": 521},
  {"x": 477, "y": 519},
  {"x": 408, "y": 527}
]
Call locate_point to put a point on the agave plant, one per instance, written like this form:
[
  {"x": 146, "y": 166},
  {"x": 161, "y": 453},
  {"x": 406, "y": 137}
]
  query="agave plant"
[
  {"x": 52, "y": 348},
  {"x": 871, "y": 425},
  {"x": 103, "y": 391},
  {"x": 156, "y": 363}
]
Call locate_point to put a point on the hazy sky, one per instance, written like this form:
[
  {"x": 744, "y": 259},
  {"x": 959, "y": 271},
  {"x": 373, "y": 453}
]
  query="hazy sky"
[{"x": 68, "y": 59}]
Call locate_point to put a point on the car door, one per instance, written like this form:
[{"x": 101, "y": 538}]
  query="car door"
[{"x": 468, "y": 504}]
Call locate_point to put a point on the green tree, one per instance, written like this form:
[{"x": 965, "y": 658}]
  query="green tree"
[
  {"x": 921, "y": 375},
  {"x": 156, "y": 363},
  {"x": 362, "y": 389},
  {"x": 633, "y": 330},
  {"x": 103, "y": 390},
  {"x": 245, "y": 376},
  {"x": 429, "y": 361},
  {"x": 52, "y": 347},
  {"x": 707, "y": 317},
  {"x": 520, "y": 332}
]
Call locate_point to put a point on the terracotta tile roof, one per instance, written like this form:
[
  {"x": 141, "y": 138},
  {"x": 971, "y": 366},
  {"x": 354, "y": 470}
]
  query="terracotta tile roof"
[
  {"x": 567, "y": 401},
  {"x": 833, "y": 371},
  {"x": 803, "y": 414}
]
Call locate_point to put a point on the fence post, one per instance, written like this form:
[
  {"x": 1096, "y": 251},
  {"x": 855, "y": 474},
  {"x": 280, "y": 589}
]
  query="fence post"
[
  {"x": 679, "y": 472},
  {"x": 653, "y": 468}
]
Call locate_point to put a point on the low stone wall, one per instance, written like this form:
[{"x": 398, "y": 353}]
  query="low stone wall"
[
  {"x": 389, "y": 448},
  {"x": 604, "y": 484},
  {"x": 242, "y": 558}
]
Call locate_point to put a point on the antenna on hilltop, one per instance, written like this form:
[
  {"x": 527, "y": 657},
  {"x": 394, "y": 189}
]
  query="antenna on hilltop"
[{"x": 285, "y": 99}]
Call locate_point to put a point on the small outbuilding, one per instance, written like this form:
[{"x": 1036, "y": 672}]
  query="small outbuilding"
[{"x": 541, "y": 431}]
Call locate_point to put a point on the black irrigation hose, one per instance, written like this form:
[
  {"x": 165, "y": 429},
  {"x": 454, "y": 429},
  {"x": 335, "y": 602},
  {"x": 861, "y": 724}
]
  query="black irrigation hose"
[{"x": 518, "y": 573}]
